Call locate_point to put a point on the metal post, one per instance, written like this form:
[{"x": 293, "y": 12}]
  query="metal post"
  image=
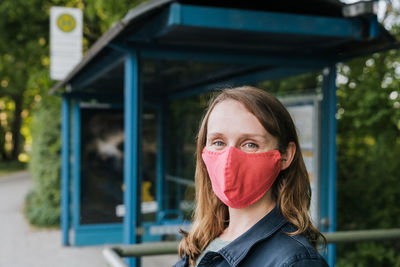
[
  {"x": 328, "y": 149},
  {"x": 179, "y": 157},
  {"x": 374, "y": 28},
  {"x": 160, "y": 161},
  {"x": 132, "y": 150},
  {"x": 165, "y": 155},
  {"x": 76, "y": 168},
  {"x": 65, "y": 168}
]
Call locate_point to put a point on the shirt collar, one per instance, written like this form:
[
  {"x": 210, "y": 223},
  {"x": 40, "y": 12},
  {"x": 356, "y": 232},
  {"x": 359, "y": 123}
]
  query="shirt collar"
[{"x": 264, "y": 228}]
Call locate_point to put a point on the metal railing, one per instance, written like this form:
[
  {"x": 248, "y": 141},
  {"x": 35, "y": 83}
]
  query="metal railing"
[
  {"x": 114, "y": 255},
  {"x": 362, "y": 235}
]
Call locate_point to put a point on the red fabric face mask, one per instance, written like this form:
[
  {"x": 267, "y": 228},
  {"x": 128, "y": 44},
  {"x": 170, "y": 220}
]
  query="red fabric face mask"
[{"x": 238, "y": 178}]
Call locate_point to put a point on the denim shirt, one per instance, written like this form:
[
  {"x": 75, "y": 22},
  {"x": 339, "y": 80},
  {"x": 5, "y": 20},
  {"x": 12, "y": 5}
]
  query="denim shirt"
[{"x": 264, "y": 244}]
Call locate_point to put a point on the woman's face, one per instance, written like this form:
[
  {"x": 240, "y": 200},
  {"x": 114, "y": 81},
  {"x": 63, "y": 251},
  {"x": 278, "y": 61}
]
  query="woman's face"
[{"x": 230, "y": 124}]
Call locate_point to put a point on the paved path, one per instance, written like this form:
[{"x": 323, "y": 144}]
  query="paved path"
[{"x": 22, "y": 245}]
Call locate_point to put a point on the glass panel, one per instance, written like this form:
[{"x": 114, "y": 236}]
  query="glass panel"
[
  {"x": 102, "y": 159},
  {"x": 185, "y": 118},
  {"x": 102, "y": 136},
  {"x": 149, "y": 202}
]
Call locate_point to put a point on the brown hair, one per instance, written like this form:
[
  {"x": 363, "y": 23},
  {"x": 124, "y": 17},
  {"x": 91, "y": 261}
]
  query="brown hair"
[{"x": 291, "y": 190}]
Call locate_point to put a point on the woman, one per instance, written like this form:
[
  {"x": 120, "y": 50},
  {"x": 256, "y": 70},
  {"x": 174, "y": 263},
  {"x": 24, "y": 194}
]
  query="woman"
[{"x": 252, "y": 188}]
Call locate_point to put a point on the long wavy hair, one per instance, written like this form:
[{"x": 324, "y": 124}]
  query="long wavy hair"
[{"x": 291, "y": 190}]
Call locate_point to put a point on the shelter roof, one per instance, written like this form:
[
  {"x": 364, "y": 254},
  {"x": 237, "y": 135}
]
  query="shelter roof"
[{"x": 188, "y": 43}]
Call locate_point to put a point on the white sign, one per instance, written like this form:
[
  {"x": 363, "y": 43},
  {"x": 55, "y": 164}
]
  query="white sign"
[
  {"x": 65, "y": 40},
  {"x": 304, "y": 112},
  {"x": 147, "y": 207}
]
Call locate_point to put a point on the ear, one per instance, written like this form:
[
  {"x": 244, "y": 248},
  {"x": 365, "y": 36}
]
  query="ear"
[{"x": 288, "y": 156}]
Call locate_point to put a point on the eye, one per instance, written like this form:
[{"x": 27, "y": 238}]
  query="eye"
[
  {"x": 218, "y": 143},
  {"x": 250, "y": 147}
]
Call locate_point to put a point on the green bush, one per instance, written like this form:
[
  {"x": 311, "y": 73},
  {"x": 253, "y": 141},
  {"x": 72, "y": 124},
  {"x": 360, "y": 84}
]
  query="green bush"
[
  {"x": 370, "y": 254},
  {"x": 43, "y": 202}
]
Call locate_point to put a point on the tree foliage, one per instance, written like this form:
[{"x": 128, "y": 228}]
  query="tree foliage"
[
  {"x": 24, "y": 83},
  {"x": 368, "y": 149},
  {"x": 24, "y": 51}
]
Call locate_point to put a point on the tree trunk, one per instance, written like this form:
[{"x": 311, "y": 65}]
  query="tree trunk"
[
  {"x": 3, "y": 154},
  {"x": 16, "y": 127}
]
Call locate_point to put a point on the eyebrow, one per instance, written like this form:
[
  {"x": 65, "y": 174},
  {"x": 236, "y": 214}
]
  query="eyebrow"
[{"x": 246, "y": 135}]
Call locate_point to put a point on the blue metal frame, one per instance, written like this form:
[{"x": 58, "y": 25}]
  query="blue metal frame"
[
  {"x": 107, "y": 98},
  {"x": 92, "y": 234},
  {"x": 165, "y": 148},
  {"x": 65, "y": 168},
  {"x": 328, "y": 153},
  {"x": 179, "y": 142},
  {"x": 239, "y": 80},
  {"x": 264, "y": 22},
  {"x": 268, "y": 23},
  {"x": 182, "y": 15},
  {"x": 87, "y": 234},
  {"x": 226, "y": 55},
  {"x": 132, "y": 150},
  {"x": 233, "y": 56},
  {"x": 89, "y": 76},
  {"x": 76, "y": 166},
  {"x": 160, "y": 162},
  {"x": 374, "y": 28},
  {"x": 112, "y": 233}
]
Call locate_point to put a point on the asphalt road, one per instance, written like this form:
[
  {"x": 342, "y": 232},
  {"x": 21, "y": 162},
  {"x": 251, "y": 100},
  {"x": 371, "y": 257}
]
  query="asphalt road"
[{"x": 22, "y": 245}]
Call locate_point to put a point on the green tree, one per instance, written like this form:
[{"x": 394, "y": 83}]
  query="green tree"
[
  {"x": 368, "y": 149},
  {"x": 24, "y": 81},
  {"x": 24, "y": 51}
]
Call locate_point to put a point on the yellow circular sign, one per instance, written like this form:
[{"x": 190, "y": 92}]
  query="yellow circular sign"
[{"x": 66, "y": 22}]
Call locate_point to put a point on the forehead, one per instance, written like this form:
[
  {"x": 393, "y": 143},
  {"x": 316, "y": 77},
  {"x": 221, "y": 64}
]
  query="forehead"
[{"x": 232, "y": 117}]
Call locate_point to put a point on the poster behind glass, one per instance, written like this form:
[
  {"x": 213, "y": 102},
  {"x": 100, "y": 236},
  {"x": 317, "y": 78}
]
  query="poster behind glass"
[
  {"x": 304, "y": 112},
  {"x": 102, "y": 144}
]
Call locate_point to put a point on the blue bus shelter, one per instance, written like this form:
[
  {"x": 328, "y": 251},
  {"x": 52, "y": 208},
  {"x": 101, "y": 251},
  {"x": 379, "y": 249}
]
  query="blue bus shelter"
[{"x": 167, "y": 50}]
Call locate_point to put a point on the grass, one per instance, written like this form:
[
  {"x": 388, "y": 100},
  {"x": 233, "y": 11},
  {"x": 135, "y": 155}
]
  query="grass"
[{"x": 8, "y": 167}]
